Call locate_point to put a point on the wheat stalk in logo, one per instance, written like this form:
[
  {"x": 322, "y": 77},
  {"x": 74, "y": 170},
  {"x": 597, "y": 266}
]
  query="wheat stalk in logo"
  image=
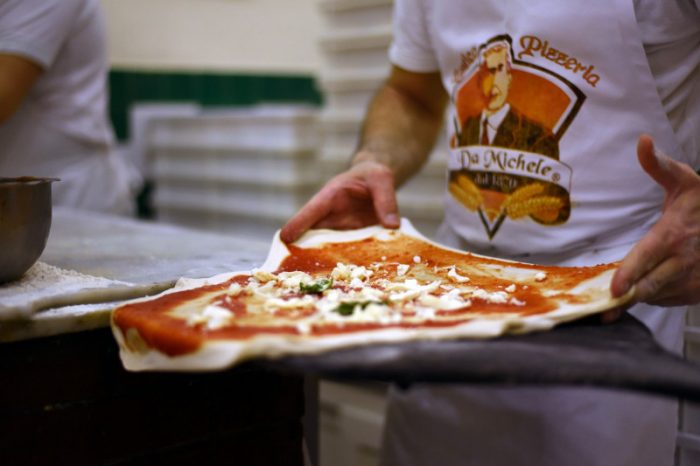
[
  {"x": 466, "y": 192},
  {"x": 528, "y": 200}
]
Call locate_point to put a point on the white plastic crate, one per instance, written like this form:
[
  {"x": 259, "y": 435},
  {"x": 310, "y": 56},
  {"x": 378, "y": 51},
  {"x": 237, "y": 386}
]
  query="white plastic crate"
[
  {"x": 362, "y": 37},
  {"x": 350, "y": 94},
  {"x": 264, "y": 128},
  {"x": 366, "y": 79},
  {"x": 255, "y": 200},
  {"x": 340, "y": 131},
  {"x": 357, "y": 49},
  {"x": 240, "y": 225},
  {"x": 348, "y": 14},
  {"x": 141, "y": 116},
  {"x": 290, "y": 168},
  {"x": 371, "y": 58}
]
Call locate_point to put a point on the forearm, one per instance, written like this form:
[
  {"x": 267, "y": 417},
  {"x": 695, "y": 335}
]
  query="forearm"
[
  {"x": 402, "y": 123},
  {"x": 17, "y": 76}
]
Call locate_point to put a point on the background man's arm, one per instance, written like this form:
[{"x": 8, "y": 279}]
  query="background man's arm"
[
  {"x": 17, "y": 76},
  {"x": 401, "y": 126}
]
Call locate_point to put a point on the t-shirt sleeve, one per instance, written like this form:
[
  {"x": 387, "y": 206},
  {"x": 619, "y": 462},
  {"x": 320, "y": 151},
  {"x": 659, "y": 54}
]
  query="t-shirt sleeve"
[
  {"x": 36, "y": 29},
  {"x": 411, "y": 47}
]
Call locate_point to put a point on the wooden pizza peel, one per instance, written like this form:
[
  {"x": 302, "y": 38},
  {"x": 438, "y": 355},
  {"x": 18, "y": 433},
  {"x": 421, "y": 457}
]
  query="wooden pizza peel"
[{"x": 622, "y": 355}]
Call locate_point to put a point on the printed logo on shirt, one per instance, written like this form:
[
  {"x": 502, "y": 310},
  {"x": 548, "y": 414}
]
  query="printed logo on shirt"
[{"x": 509, "y": 116}]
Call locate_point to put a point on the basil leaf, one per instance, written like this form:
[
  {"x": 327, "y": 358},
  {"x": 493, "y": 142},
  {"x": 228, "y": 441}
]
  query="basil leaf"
[
  {"x": 319, "y": 286},
  {"x": 347, "y": 308}
]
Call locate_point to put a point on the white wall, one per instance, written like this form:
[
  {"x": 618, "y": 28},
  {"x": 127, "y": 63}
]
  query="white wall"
[{"x": 278, "y": 36}]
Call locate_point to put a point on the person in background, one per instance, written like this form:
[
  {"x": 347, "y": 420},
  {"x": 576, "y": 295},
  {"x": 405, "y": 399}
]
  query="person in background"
[
  {"x": 618, "y": 85},
  {"x": 53, "y": 103}
]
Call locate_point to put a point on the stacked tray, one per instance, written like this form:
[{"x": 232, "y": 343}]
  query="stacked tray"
[{"x": 241, "y": 171}]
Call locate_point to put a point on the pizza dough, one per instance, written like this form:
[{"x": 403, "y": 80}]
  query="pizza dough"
[{"x": 350, "y": 288}]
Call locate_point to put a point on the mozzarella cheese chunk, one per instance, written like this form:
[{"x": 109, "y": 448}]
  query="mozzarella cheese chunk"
[
  {"x": 212, "y": 317},
  {"x": 455, "y": 276},
  {"x": 263, "y": 276},
  {"x": 497, "y": 297},
  {"x": 410, "y": 289},
  {"x": 234, "y": 289},
  {"x": 273, "y": 304},
  {"x": 293, "y": 280},
  {"x": 343, "y": 272}
]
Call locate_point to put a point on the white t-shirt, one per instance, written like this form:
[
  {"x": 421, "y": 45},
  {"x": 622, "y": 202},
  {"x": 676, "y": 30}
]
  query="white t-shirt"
[
  {"x": 604, "y": 200},
  {"x": 61, "y": 128},
  {"x": 670, "y": 31}
]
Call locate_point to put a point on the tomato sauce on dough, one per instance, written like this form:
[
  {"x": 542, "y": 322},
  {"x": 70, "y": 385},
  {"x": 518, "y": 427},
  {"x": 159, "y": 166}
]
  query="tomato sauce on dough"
[{"x": 160, "y": 328}]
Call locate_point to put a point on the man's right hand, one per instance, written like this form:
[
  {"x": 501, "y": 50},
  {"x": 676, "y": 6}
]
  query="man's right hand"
[
  {"x": 361, "y": 196},
  {"x": 399, "y": 130}
]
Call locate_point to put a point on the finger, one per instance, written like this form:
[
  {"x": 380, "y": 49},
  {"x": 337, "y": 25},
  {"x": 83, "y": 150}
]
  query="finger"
[
  {"x": 649, "y": 252},
  {"x": 661, "y": 168},
  {"x": 313, "y": 211},
  {"x": 381, "y": 185},
  {"x": 664, "y": 282}
]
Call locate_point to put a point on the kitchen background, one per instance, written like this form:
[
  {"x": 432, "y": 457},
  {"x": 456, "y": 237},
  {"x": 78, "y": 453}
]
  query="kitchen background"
[{"x": 235, "y": 111}]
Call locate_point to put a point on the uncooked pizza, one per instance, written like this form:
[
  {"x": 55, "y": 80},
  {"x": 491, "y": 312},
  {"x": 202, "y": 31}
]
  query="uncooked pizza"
[{"x": 336, "y": 289}]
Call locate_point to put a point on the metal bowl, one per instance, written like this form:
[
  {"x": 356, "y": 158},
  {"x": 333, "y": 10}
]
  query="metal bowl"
[{"x": 25, "y": 221}]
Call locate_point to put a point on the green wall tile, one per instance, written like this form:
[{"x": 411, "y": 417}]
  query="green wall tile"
[{"x": 206, "y": 89}]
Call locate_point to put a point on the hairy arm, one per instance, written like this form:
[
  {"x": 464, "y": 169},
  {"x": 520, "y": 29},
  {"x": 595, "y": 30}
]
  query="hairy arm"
[
  {"x": 403, "y": 122},
  {"x": 400, "y": 128},
  {"x": 17, "y": 76}
]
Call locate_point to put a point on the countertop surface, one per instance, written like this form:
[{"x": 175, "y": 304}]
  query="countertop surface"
[
  {"x": 144, "y": 252},
  {"x": 150, "y": 255}
]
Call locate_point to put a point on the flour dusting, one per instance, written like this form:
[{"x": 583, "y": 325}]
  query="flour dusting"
[{"x": 45, "y": 285}]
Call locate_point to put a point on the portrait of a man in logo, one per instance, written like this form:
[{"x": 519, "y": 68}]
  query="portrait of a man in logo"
[{"x": 508, "y": 119}]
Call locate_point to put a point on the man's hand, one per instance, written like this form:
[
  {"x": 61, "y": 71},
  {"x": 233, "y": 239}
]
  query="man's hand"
[
  {"x": 399, "y": 130},
  {"x": 364, "y": 195},
  {"x": 664, "y": 267}
]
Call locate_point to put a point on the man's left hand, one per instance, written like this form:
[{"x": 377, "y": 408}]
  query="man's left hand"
[{"x": 664, "y": 267}]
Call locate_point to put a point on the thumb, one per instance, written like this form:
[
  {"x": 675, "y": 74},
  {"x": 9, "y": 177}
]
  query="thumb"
[{"x": 658, "y": 166}]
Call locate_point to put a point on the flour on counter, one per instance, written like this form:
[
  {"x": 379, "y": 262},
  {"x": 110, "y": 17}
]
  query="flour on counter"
[{"x": 45, "y": 286}]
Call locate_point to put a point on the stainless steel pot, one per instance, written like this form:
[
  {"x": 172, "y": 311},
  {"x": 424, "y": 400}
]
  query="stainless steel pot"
[{"x": 25, "y": 221}]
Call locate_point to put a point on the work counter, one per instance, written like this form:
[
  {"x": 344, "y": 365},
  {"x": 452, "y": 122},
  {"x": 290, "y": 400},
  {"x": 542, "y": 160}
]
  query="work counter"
[
  {"x": 64, "y": 392},
  {"x": 65, "y": 398}
]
